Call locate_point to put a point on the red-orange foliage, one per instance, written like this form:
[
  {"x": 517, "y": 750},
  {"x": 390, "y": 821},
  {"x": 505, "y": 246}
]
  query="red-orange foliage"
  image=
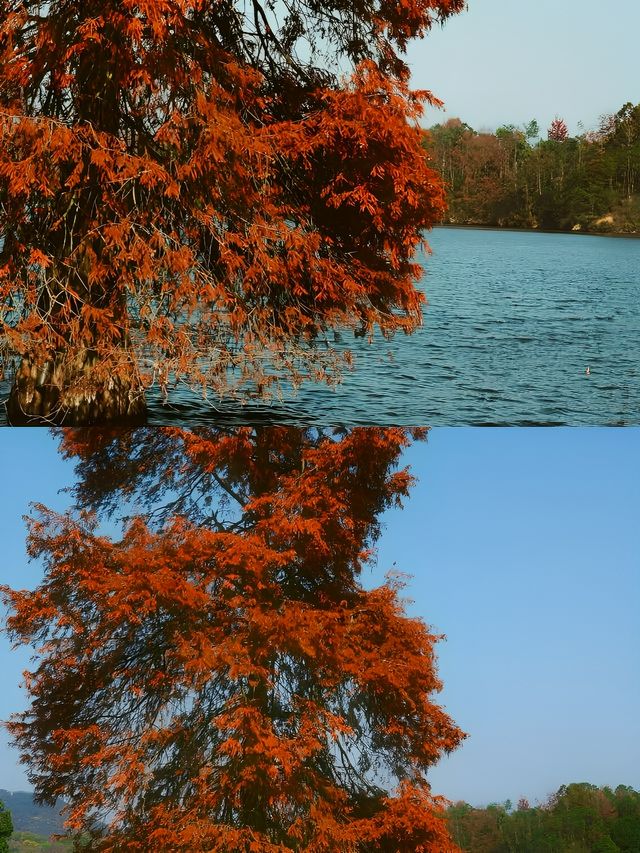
[
  {"x": 220, "y": 680},
  {"x": 175, "y": 181},
  {"x": 558, "y": 130}
]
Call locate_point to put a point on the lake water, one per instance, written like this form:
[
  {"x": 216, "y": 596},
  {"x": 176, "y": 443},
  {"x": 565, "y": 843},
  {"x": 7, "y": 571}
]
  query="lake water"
[{"x": 513, "y": 321}]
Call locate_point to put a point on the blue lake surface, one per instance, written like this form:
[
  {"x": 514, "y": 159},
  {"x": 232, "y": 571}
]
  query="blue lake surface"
[{"x": 513, "y": 321}]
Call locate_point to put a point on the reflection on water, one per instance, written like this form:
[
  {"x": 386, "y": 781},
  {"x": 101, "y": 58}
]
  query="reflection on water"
[
  {"x": 191, "y": 409},
  {"x": 513, "y": 321}
]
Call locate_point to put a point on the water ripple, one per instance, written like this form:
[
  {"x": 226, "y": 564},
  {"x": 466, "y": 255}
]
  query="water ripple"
[{"x": 513, "y": 320}]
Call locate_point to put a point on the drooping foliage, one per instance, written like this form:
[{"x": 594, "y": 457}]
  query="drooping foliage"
[
  {"x": 191, "y": 188},
  {"x": 213, "y": 675}
]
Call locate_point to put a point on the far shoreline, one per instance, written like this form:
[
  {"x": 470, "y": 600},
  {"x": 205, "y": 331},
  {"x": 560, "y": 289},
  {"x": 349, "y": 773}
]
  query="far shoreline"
[{"x": 583, "y": 232}]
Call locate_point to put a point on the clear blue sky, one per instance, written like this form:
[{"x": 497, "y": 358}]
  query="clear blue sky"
[
  {"x": 32, "y": 470},
  {"x": 508, "y": 61},
  {"x": 524, "y": 547}
]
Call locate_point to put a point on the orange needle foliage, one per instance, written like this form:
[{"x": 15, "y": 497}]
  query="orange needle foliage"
[
  {"x": 182, "y": 196},
  {"x": 218, "y": 679}
]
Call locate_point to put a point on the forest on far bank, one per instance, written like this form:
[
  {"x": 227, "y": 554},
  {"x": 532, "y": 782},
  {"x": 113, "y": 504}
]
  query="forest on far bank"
[
  {"x": 578, "y": 818},
  {"x": 515, "y": 178}
]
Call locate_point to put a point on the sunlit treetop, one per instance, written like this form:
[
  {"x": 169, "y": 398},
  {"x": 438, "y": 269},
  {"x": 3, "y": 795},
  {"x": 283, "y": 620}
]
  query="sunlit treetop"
[{"x": 558, "y": 130}]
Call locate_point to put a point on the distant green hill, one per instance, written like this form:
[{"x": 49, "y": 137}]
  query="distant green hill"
[
  {"x": 29, "y": 817},
  {"x": 30, "y": 842}
]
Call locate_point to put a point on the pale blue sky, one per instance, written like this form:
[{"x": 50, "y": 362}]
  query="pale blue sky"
[
  {"x": 507, "y": 61},
  {"x": 524, "y": 547},
  {"x": 32, "y": 470}
]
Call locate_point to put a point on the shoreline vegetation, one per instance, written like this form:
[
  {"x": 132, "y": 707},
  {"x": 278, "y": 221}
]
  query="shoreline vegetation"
[
  {"x": 514, "y": 178},
  {"x": 532, "y": 230},
  {"x": 580, "y": 817}
]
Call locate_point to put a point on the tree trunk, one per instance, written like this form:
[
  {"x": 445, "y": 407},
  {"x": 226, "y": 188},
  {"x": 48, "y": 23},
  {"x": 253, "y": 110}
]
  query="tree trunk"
[{"x": 73, "y": 394}]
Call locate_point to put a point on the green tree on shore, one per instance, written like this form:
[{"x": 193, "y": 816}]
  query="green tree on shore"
[
  {"x": 579, "y": 817},
  {"x": 514, "y": 178},
  {"x": 6, "y": 827}
]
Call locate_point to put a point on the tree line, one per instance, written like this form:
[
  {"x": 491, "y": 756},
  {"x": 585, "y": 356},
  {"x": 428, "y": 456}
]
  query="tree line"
[
  {"x": 580, "y": 818},
  {"x": 516, "y": 178}
]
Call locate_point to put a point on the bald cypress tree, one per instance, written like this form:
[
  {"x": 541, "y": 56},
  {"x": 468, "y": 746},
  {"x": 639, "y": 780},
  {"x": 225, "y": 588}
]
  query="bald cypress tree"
[
  {"x": 216, "y": 677},
  {"x": 189, "y": 190}
]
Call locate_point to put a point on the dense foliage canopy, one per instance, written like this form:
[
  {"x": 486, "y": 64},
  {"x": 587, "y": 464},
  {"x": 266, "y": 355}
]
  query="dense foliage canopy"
[
  {"x": 191, "y": 190},
  {"x": 214, "y": 676}
]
